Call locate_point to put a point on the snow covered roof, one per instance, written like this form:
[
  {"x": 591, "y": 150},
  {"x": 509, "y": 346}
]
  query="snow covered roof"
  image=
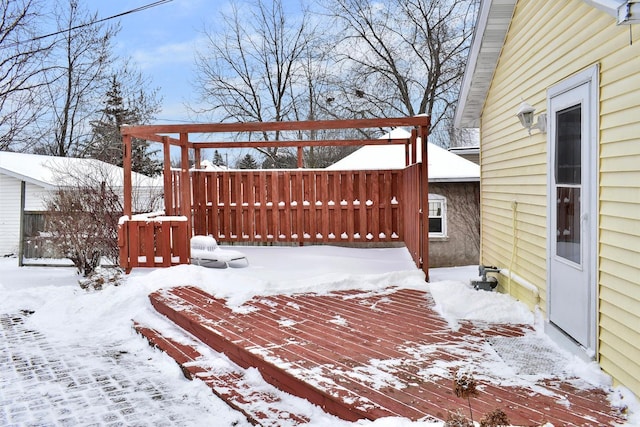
[
  {"x": 208, "y": 165},
  {"x": 443, "y": 165},
  {"x": 49, "y": 171}
]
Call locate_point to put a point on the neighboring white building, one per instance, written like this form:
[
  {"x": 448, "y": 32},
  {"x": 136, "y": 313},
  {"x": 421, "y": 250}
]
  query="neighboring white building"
[
  {"x": 26, "y": 180},
  {"x": 207, "y": 165}
]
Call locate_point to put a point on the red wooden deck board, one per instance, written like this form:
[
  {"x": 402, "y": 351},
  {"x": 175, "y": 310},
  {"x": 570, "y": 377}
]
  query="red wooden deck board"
[
  {"x": 242, "y": 351},
  {"x": 487, "y": 404},
  {"x": 229, "y": 386},
  {"x": 360, "y": 351},
  {"x": 321, "y": 348},
  {"x": 344, "y": 352}
]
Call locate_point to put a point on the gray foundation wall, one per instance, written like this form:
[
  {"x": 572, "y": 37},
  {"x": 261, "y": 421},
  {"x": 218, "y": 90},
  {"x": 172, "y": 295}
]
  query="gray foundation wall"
[{"x": 461, "y": 246}]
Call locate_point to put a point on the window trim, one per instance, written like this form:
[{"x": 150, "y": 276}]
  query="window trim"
[{"x": 443, "y": 201}]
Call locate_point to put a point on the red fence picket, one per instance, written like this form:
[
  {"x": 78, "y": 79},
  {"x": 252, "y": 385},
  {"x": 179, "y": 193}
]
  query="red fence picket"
[{"x": 298, "y": 205}]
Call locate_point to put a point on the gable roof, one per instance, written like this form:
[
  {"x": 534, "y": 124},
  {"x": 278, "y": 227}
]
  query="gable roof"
[
  {"x": 492, "y": 25},
  {"x": 49, "y": 171},
  {"x": 443, "y": 165}
]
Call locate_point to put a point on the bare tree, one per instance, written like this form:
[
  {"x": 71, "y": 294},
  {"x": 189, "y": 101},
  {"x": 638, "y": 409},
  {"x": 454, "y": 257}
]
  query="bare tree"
[
  {"x": 401, "y": 58},
  {"x": 21, "y": 52},
  {"x": 83, "y": 225},
  {"x": 252, "y": 71},
  {"x": 77, "y": 78},
  {"x": 270, "y": 65},
  {"x": 83, "y": 212}
]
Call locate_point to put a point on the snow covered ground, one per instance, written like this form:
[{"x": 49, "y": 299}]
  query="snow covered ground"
[{"x": 70, "y": 356}]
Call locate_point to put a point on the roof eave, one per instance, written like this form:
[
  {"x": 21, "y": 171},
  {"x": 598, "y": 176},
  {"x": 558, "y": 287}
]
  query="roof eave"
[
  {"x": 494, "y": 19},
  {"x": 610, "y": 7},
  {"x": 28, "y": 179}
]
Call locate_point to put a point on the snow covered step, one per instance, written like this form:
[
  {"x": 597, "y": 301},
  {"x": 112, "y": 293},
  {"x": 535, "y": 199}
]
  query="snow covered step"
[
  {"x": 371, "y": 354},
  {"x": 240, "y": 388},
  {"x": 323, "y": 352},
  {"x": 188, "y": 308}
]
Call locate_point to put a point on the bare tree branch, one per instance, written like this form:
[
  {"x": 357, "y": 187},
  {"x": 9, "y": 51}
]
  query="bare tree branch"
[
  {"x": 84, "y": 210},
  {"x": 20, "y": 71},
  {"x": 77, "y": 76},
  {"x": 253, "y": 70},
  {"x": 403, "y": 57}
]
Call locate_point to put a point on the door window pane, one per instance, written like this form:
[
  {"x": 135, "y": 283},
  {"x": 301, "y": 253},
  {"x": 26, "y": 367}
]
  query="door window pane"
[
  {"x": 568, "y": 223},
  {"x": 568, "y": 137}
]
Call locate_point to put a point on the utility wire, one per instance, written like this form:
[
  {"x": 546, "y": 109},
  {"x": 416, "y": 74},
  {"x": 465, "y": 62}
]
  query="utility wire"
[{"x": 128, "y": 12}]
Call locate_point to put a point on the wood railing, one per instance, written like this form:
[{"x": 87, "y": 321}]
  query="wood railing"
[
  {"x": 150, "y": 240},
  {"x": 314, "y": 206}
]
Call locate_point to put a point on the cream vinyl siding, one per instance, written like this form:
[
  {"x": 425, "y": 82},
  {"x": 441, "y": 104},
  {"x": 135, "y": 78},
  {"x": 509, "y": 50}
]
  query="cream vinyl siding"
[
  {"x": 549, "y": 41},
  {"x": 620, "y": 216}
]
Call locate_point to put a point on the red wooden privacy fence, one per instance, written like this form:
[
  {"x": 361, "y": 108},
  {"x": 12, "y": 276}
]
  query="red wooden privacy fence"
[
  {"x": 411, "y": 216},
  {"x": 304, "y": 206},
  {"x": 315, "y": 206}
]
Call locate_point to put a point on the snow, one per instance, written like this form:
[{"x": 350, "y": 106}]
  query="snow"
[
  {"x": 46, "y": 171},
  {"x": 208, "y": 165},
  {"x": 82, "y": 326},
  {"x": 479, "y": 305},
  {"x": 443, "y": 165}
]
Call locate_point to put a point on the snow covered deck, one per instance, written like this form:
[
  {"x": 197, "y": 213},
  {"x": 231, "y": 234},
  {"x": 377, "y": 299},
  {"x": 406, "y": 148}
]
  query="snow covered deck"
[
  {"x": 371, "y": 354},
  {"x": 300, "y": 205}
]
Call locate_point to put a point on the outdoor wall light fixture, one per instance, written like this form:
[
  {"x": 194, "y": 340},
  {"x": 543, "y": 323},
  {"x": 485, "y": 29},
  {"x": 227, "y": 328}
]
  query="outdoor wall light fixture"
[
  {"x": 629, "y": 12},
  {"x": 525, "y": 114}
]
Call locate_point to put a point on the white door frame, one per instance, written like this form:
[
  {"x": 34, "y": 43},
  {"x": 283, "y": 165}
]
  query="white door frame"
[{"x": 589, "y": 76}]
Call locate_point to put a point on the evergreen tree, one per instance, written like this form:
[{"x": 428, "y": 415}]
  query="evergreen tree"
[
  {"x": 284, "y": 160},
  {"x": 217, "y": 159},
  {"x": 248, "y": 162},
  {"x": 106, "y": 142}
]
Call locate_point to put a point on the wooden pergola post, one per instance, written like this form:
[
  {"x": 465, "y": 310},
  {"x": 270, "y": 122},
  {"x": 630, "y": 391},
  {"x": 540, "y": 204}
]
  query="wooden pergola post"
[
  {"x": 197, "y": 158},
  {"x": 412, "y": 156},
  {"x": 185, "y": 180},
  {"x": 168, "y": 199},
  {"x": 300, "y": 157},
  {"x": 126, "y": 164},
  {"x": 423, "y": 132}
]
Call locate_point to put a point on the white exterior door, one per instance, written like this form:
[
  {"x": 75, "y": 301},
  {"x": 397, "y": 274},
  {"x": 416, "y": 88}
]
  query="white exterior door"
[{"x": 572, "y": 213}]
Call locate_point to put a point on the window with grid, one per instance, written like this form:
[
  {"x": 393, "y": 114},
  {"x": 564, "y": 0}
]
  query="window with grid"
[{"x": 437, "y": 216}]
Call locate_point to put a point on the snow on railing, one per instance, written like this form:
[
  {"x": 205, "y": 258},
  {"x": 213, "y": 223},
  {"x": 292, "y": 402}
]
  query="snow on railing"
[{"x": 153, "y": 239}]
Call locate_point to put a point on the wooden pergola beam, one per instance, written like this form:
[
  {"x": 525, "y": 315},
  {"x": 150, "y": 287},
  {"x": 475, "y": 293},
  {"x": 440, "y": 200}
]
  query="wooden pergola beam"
[
  {"x": 151, "y": 136},
  {"x": 142, "y": 131},
  {"x": 297, "y": 143}
]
